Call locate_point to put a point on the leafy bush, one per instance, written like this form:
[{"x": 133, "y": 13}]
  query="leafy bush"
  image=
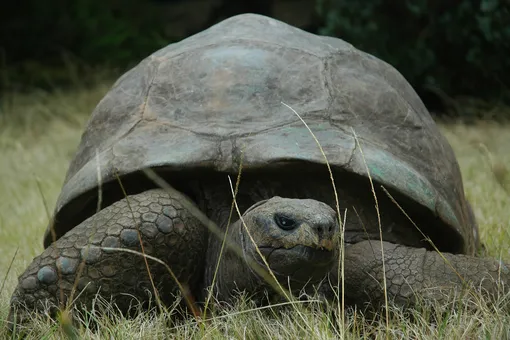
[
  {"x": 445, "y": 47},
  {"x": 39, "y": 37},
  {"x": 460, "y": 47}
]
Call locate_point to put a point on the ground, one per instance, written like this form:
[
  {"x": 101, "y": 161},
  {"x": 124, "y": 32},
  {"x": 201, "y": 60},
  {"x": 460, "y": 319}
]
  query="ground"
[{"x": 39, "y": 133}]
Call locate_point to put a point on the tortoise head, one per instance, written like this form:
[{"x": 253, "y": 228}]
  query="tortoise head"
[{"x": 297, "y": 237}]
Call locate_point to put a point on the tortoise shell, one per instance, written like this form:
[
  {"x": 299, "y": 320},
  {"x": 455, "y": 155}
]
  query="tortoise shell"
[{"x": 224, "y": 94}]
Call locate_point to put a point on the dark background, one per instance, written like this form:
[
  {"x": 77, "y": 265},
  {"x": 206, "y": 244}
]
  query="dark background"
[{"x": 451, "y": 51}]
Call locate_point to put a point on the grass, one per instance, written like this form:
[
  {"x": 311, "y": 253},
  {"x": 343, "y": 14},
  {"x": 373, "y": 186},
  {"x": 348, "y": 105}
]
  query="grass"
[{"x": 39, "y": 134}]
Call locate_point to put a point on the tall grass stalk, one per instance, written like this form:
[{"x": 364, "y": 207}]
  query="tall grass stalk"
[{"x": 39, "y": 134}]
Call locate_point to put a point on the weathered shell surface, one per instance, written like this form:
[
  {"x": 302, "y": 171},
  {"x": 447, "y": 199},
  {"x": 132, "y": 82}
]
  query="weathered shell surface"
[{"x": 199, "y": 102}]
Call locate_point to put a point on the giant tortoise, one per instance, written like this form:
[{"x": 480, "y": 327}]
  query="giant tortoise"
[{"x": 293, "y": 112}]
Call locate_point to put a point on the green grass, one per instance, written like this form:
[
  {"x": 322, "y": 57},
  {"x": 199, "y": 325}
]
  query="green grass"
[{"x": 38, "y": 136}]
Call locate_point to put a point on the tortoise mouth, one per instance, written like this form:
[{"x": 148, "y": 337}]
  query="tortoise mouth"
[{"x": 299, "y": 263}]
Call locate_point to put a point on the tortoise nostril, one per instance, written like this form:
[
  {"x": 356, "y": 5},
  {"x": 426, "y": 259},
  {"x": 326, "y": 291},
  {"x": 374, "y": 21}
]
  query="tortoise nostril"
[{"x": 324, "y": 229}]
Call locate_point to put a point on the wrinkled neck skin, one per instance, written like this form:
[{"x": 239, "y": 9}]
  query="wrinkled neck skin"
[
  {"x": 362, "y": 222},
  {"x": 244, "y": 270},
  {"x": 233, "y": 273}
]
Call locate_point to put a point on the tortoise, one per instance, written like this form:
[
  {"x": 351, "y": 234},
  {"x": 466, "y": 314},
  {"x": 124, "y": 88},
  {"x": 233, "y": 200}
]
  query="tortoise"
[{"x": 281, "y": 106}]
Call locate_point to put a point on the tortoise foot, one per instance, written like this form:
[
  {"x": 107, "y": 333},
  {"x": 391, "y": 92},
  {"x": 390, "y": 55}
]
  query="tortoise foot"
[
  {"x": 413, "y": 273},
  {"x": 82, "y": 264}
]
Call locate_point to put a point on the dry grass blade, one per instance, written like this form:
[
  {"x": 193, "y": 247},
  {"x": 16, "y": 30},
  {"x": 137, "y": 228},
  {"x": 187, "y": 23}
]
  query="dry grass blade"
[
  {"x": 8, "y": 271},
  {"x": 52, "y": 229},
  {"x": 184, "y": 291},
  {"x": 380, "y": 230},
  {"x": 274, "y": 281},
  {"x": 212, "y": 227},
  {"x": 273, "y": 305},
  {"x": 422, "y": 233},
  {"x": 222, "y": 249},
  {"x": 337, "y": 202},
  {"x": 340, "y": 273},
  {"x": 98, "y": 208},
  {"x": 257, "y": 309},
  {"x": 277, "y": 284},
  {"x": 156, "y": 293},
  {"x": 49, "y": 126}
]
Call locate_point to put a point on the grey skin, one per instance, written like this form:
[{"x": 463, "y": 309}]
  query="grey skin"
[
  {"x": 302, "y": 250},
  {"x": 197, "y": 110}
]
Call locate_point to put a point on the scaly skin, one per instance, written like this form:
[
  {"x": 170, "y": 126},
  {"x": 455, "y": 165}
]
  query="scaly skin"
[
  {"x": 172, "y": 234},
  {"x": 415, "y": 270},
  {"x": 168, "y": 231}
]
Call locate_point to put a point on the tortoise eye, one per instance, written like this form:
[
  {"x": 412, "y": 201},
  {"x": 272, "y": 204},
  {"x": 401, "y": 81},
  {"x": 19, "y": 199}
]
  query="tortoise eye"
[{"x": 284, "y": 222}]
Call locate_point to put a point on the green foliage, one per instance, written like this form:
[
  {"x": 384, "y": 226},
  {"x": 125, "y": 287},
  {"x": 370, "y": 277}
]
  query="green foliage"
[
  {"x": 451, "y": 47},
  {"x": 460, "y": 47},
  {"x": 39, "y": 38}
]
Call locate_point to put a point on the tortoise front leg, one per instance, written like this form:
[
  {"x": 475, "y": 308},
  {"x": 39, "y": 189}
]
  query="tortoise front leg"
[
  {"x": 415, "y": 270},
  {"x": 169, "y": 232}
]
